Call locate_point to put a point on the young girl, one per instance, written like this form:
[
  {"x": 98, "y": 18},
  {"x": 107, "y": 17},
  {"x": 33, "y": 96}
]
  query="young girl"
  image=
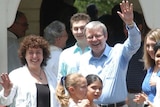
[
  {"x": 76, "y": 86},
  {"x": 156, "y": 80},
  {"x": 94, "y": 86}
]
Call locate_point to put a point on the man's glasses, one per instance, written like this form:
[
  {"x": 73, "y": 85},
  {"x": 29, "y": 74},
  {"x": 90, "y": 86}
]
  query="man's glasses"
[{"x": 94, "y": 36}]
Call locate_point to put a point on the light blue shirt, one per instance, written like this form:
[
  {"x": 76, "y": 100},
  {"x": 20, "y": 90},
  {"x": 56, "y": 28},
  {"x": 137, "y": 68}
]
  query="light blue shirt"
[
  {"x": 112, "y": 66},
  {"x": 69, "y": 60}
]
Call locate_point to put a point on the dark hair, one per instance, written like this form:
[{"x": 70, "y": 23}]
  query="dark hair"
[
  {"x": 34, "y": 41},
  {"x": 138, "y": 18},
  {"x": 18, "y": 15},
  {"x": 92, "y": 11},
  {"x": 157, "y": 46},
  {"x": 92, "y": 78}
]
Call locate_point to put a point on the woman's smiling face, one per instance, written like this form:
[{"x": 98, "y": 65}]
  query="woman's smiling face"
[
  {"x": 34, "y": 57},
  {"x": 150, "y": 47}
]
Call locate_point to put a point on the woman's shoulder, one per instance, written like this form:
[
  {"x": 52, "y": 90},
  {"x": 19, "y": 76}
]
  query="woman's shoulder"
[
  {"x": 18, "y": 70},
  {"x": 18, "y": 73}
]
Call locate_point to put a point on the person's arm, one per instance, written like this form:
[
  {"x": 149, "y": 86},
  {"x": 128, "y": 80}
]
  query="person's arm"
[
  {"x": 133, "y": 41},
  {"x": 8, "y": 91}
]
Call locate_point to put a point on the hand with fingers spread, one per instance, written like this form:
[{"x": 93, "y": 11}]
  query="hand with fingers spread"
[
  {"x": 6, "y": 84},
  {"x": 126, "y": 13}
]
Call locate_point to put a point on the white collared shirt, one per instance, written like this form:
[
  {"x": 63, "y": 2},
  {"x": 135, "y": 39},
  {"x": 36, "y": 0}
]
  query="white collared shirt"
[
  {"x": 13, "y": 45},
  {"x": 52, "y": 63}
]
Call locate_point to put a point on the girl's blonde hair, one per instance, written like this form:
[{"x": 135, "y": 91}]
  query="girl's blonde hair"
[
  {"x": 155, "y": 36},
  {"x": 71, "y": 80}
]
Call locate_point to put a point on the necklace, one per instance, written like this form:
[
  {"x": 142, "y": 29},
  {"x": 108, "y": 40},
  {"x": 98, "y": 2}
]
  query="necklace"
[{"x": 39, "y": 76}]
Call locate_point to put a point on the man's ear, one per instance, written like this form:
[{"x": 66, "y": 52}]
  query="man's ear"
[{"x": 106, "y": 36}]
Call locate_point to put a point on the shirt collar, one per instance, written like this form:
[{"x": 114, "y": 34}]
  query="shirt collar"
[
  {"x": 78, "y": 49},
  {"x": 105, "y": 52},
  {"x": 11, "y": 34}
]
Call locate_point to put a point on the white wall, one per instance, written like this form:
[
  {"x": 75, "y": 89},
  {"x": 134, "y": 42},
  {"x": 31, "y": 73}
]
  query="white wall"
[
  {"x": 31, "y": 9},
  {"x": 151, "y": 12},
  {"x": 8, "y": 10}
]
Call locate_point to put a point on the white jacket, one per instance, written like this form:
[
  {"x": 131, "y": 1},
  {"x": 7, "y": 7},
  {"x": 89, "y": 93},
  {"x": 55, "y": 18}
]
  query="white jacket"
[{"x": 24, "y": 92}]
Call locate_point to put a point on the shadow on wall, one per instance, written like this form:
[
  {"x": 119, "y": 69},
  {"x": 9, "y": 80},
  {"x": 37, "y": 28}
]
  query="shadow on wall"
[{"x": 61, "y": 10}]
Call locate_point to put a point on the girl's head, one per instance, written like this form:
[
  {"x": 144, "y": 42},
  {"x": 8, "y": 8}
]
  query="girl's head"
[
  {"x": 75, "y": 84},
  {"x": 157, "y": 54},
  {"x": 94, "y": 85},
  {"x": 150, "y": 40}
]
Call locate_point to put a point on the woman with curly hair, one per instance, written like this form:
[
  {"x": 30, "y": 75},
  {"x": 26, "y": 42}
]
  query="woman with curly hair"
[{"x": 30, "y": 85}]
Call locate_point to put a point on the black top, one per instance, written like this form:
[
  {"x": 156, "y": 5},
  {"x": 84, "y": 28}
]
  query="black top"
[
  {"x": 43, "y": 95},
  {"x": 136, "y": 72}
]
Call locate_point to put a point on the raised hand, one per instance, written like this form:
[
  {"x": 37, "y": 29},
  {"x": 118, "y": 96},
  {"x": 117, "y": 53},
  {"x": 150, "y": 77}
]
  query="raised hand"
[
  {"x": 126, "y": 13},
  {"x": 6, "y": 83}
]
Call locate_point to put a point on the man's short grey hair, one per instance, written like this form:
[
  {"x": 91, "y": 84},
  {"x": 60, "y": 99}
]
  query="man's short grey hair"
[
  {"x": 96, "y": 24},
  {"x": 54, "y": 30}
]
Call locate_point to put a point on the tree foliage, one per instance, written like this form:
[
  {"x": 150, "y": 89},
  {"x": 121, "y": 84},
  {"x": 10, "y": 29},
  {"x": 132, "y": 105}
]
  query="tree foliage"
[{"x": 104, "y": 6}]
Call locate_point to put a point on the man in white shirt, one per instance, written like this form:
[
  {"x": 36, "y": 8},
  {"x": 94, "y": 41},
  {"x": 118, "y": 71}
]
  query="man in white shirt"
[
  {"x": 15, "y": 31},
  {"x": 70, "y": 57},
  {"x": 55, "y": 33}
]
